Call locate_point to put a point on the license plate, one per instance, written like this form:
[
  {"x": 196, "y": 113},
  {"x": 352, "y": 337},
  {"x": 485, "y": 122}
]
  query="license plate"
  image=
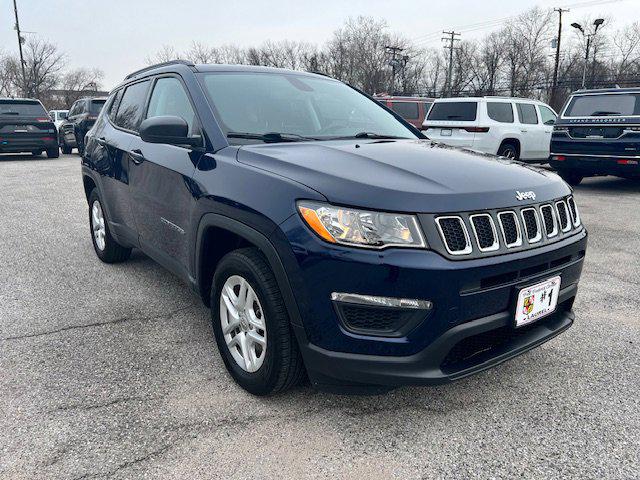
[
  {"x": 445, "y": 132},
  {"x": 537, "y": 301}
]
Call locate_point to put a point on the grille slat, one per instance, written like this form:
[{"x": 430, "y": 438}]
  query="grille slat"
[
  {"x": 575, "y": 216},
  {"x": 549, "y": 220},
  {"x": 510, "y": 229},
  {"x": 455, "y": 235},
  {"x": 531, "y": 225},
  {"x": 563, "y": 216},
  {"x": 485, "y": 232}
]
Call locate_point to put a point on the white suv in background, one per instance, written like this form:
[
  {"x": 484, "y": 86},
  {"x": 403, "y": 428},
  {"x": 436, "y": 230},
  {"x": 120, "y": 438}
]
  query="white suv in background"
[{"x": 516, "y": 128}]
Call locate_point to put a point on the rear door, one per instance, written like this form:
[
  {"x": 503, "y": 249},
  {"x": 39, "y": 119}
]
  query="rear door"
[
  {"x": 160, "y": 180},
  {"x": 533, "y": 140},
  {"x": 452, "y": 123},
  {"x": 24, "y": 124},
  {"x": 548, "y": 119}
]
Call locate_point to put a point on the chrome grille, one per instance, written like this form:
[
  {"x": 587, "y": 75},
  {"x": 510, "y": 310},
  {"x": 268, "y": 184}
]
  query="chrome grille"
[
  {"x": 455, "y": 235},
  {"x": 485, "y": 232},
  {"x": 496, "y": 232},
  {"x": 549, "y": 221}
]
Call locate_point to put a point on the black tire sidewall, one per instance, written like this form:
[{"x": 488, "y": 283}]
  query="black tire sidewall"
[
  {"x": 262, "y": 381},
  {"x": 508, "y": 147}
]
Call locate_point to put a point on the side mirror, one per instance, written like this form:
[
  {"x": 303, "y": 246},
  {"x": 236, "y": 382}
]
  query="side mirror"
[
  {"x": 550, "y": 122},
  {"x": 168, "y": 129}
]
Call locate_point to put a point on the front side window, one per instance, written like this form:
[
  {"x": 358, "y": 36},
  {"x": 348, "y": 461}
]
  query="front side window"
[
  {"x": 169, "y": 98},
  {"x": 605, "y": 105},
  {"x": 456, "y": 111},
  {"x": 500, "y": 111},
  {"x": 548, "y": 117},
  {"x": 527, "y": 113},
  {"x": 408, "y": 110},
  {"x": 131, "y": 106},
  {"x": 305, "y": 106}
]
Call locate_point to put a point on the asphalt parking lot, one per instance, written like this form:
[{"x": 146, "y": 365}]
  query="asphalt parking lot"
[{"x": 111, "y": 371}]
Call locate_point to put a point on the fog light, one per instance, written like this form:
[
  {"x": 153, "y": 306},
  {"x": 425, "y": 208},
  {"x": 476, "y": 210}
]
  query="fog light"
[{"x": 371, "y": 300}]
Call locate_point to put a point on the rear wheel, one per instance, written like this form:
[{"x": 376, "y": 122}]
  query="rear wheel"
[
  {"x": 509, "y": 150},
  {"x": 53, "y": 153},
  {"x": 571, "y": 177},
  {"x": 251, "y": 325},
  {"x": 107, "y": 249}
]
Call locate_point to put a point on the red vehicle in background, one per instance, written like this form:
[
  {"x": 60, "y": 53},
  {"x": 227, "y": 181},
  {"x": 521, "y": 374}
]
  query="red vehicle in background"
[{"x": 412, "y": 109}]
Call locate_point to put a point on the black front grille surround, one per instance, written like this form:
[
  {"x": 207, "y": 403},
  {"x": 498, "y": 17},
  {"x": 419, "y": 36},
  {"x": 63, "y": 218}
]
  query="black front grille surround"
[{"x": 466, "y": 235}]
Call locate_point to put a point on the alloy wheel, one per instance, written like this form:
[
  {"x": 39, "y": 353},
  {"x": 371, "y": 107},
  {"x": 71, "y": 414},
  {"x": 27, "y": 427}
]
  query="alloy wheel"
[
  {"x": 243, "y": 323},
  {"x": 98, "y": 225}
]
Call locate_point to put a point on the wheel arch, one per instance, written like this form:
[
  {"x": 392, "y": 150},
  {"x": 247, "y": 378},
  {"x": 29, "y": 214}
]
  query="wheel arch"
[
  {"x": 230, "y": 234},
  {"x": 89, "y": 185},
  {"x": 512, "y": 141}
]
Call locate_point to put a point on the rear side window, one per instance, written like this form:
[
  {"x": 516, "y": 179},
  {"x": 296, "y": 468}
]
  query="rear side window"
[
  {"x": 500, "y": 111},
  {"x": 27, "y": 108},
  {"x": 131, "y": 106},
  {"x": 406, "y": 109},
  {"x": 617, "y": 104},
  {"x": 548, "y": 117},
  {"x": 458, "y": 111},
  {"x": 169, "y": 98},
  {"x": 527, "y": 113}
]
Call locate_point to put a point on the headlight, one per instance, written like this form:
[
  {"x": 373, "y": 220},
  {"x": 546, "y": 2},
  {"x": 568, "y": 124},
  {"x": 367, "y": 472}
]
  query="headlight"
[{"x": 362, "y": 228}]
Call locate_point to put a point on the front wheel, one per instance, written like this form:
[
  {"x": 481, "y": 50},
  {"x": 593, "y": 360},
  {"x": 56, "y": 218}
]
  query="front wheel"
[
  {"x": 251, "y": 325},
  {"x": 105, "y": 246},
  {"x": 572, "y": 178}
]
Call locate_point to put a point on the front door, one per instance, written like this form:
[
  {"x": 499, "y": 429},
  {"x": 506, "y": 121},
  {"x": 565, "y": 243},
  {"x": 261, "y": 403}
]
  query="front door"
[
  {"x": 532, "y": 139},
  {"x": 160, "y": 180}
]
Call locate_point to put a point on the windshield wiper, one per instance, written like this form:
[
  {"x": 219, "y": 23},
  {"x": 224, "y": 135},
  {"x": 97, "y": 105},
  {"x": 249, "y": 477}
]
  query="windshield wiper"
[
  {"x": 372, "y": 135},
  {"x": 10, "y": 113},
  {"x": 270, "y": 137},
  {"x": 603, "y": 113}
]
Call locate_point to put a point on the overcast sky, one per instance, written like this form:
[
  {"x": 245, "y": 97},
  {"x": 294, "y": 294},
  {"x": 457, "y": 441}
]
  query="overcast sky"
[{"x": 117, "y": 35}]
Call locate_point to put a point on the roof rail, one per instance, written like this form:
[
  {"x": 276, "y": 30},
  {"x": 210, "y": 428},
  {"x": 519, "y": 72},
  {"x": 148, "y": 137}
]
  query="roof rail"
[{"x": 158, "y": 65}]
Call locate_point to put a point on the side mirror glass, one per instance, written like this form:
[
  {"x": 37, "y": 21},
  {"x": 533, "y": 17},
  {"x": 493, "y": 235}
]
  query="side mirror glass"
[{"x": 168, "y": 129}]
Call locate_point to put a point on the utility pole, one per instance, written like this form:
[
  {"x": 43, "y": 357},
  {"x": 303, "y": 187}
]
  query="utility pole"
[
  {"x": 20, "y": 40},
  {"x": 451, "y": 38},
  {"x": 554, "y": 87},
  {"x": 394, "y": 51}
]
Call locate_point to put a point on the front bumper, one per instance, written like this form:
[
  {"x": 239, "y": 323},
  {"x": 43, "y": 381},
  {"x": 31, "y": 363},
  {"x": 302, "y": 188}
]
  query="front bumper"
[{"x": 474, "y": 301}]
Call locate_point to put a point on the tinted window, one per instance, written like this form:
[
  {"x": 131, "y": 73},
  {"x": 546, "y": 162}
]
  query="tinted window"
[
  {"x": 604, "y": 105},
  {"x": 406, "y": 109},
  {"x": 95, "y": 106},
  {"x": 500, "y": 111},
  {"x": 27, "y": 108},
  {"x": 548, "y": 117},
  {"x": 527, "y": 113},
  {"x": 459, "y": 111},
  {"x": 62, "y": 115},
  {"x": 309, "y": 106},
  {"x": 169, "y": 98},
  {"x": 113, "y": 106},
  {"x": 131, "y": 106}
]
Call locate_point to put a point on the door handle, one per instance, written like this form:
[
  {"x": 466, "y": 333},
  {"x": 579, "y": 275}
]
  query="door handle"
[
  {"x": 137, "y": 156},
  {"x": 101, "y": 141},
  {"x": 523, "y": 131}
]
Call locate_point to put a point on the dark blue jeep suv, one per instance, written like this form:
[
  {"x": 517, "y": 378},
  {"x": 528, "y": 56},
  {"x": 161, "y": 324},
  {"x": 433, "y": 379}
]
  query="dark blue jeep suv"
[{"x": 328, "y": 236}]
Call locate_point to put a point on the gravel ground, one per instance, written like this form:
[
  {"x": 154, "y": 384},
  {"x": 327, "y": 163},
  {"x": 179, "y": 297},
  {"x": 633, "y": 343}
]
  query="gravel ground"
[{"x": 112, "y": 372}]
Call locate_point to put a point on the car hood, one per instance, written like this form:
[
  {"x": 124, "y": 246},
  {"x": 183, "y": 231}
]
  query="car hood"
[{"x": 404, "y": 175}]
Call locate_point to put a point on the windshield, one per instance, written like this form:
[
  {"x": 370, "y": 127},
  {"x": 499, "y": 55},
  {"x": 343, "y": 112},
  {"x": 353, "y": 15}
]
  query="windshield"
[
  {"x": 96, "y": 106},
  {"x": 606, "y": 105},
  {"x": 304, "y": 107},
  {"x": 28, "y": 108}
]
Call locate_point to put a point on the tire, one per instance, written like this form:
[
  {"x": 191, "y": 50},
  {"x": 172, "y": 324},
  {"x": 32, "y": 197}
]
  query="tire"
[
  {"x": 280, "y": 363},
  {"x": 572, "y": 178},
  {"x": 53, "y": 152},
  {"x": 509, "y": 150},
  {"x": 80, "y": 148},
  {"x": 107, "y": 249},
  {"x": 66, "y": 149}
]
